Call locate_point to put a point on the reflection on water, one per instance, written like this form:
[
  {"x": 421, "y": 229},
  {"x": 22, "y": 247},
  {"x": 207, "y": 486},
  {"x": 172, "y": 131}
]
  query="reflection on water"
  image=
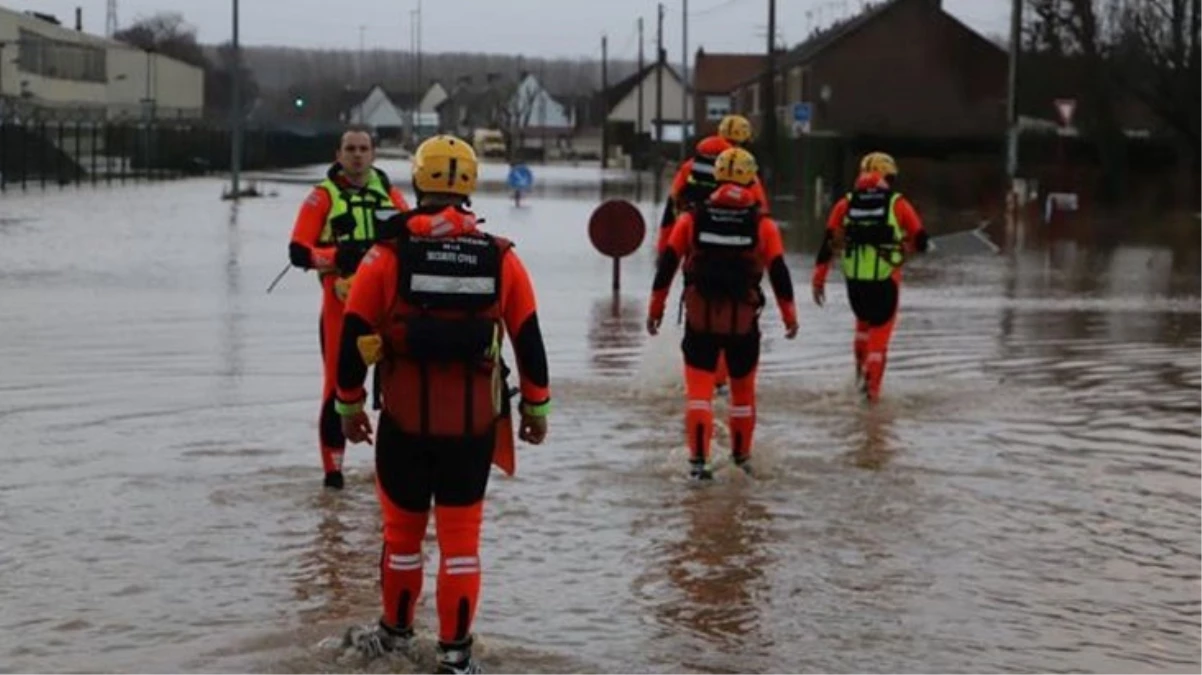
[
  {"x": 877, "y": 441},
  {"x": 1024, "y": 498},
  {"x": 615, "y": 333},
  {"x": 717, "y": 565}
]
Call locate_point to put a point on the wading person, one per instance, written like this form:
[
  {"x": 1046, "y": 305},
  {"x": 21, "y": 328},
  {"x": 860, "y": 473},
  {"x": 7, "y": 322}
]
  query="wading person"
[
  {"x": 337, "y": 223},
  {"x": 726, "y": 246},
  {"x": 872, "y": 229},
  {"x": 432, "y": 306}
]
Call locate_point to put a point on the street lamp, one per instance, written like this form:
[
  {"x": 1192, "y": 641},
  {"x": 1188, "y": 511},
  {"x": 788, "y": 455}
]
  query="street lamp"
[{"x": 236, "y": 105}]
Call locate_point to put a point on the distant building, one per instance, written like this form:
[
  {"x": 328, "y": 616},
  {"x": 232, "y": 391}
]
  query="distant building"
[
  {"x": 397, "y": 114},
  {"x": 45, "y": 66},
  {"x": 715, "y": 77},
  {"x": 621, "y": 108},
  {"x": 899, "y": 68}
]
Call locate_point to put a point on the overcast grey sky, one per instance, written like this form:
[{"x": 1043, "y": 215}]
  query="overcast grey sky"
[{"x": 564, "y": 28}]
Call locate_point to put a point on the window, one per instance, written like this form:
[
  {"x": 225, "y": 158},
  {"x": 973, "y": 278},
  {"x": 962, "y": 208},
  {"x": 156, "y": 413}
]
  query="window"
[
  {"x": 717, "y": 107},
  {"x": 755, "y": 99},
  {"x": 59, "y": 59},
  {"x": 793, "y": 94}
]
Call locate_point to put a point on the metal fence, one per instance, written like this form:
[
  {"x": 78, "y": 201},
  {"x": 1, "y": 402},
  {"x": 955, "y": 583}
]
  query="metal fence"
[{"x": 61, "y": 149}]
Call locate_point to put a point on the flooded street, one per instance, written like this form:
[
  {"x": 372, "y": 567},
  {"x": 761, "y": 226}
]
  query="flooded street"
[{"x": 1024, "y": 498}]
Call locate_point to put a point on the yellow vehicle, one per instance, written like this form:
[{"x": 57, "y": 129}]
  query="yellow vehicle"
[{"x": 489, "y": 143}]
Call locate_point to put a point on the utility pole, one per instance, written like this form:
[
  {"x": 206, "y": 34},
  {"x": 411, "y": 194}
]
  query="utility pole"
[
  {"x": 359, "y": 63},
  {"x": 411, "y": 113},
  {"x": 605, "y": 113},
  {"x": 684, "y": 85},
  {"x": 419, "y": 47},
  {"x": 236, "y": 113},
  {"x": 768, "y": 100},
  {"x": 659, "y": 82},
  {"x": 110, "y": 18},
  {"x": 1016, "y": 24},
  {"x": 638, "y": 130}
]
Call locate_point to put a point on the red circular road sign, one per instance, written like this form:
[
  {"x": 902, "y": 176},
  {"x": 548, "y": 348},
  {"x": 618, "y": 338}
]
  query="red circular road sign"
[{"x": 616, "y": 228}]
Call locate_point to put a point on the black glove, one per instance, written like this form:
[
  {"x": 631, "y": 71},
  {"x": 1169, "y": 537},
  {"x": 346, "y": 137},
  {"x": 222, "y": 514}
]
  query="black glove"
[
  {"x": 347, "y": 259},
  {"x": 393, "y": 227}
]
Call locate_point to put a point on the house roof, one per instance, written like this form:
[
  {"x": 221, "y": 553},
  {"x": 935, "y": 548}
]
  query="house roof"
[
  {"x": 614, "y": 94},
  {"x": 474, "y": 96},
  {"x": 825, "y": 38},
  {"x": 721, "y": 73},
  {"x": 399, "y": 97}
]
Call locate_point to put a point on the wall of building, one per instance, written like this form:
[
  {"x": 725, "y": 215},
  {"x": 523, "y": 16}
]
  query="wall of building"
[
  {"x": 627, "y": 109},
  {"x": 174, "y": 87},
  {"x": 949, "y": 83},
  {"x": 55, "y": 67}
]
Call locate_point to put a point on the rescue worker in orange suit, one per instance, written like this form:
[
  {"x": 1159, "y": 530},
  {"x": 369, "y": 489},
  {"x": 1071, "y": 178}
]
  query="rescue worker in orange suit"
[
  {"x": 432, "y": 306},
  {"x": 873, "y": 229},
  {"x": 336, "y": 225},
  {"x": 694, "y": 182},
  {"x": 726, "y": 244}
]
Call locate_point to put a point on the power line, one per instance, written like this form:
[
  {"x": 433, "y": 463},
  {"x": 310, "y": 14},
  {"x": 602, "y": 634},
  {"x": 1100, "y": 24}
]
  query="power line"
[{"x": 713, "y": 8}]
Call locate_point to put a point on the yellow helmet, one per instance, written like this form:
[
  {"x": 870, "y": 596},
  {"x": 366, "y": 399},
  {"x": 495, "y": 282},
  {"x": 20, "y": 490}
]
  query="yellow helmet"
[
  {"x": 735, "y": 128},
  {"x": 445, "y": 165},
  {"x": 735, "y": 165},
  {"x": 878, "y": 162}
]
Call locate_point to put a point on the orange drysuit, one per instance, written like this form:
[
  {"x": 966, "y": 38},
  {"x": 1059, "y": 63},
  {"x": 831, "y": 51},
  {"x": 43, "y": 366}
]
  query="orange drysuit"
[
  {"x": 313, "y": 247},
  {"x": 441, "y": 296},
  {"x": 727, "y": 245},
  {"x": 874, "y": 302}
]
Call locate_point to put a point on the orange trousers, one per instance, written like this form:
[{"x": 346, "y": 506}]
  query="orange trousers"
[
  {"x": 412, "y": 471},
  {"x": 702, "y": 354},
  {"x": 331, "y": 441},
  {"x": 875, "y": 306}
]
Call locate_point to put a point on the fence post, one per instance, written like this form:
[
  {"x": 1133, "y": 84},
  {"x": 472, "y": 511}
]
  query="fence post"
[
  {"x": 3, "y": 154},
  {"x": 60, "y": 169},
  {"x": 92, "y": 134}
]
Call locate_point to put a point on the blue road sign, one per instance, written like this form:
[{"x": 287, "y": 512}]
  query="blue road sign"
[
  {"x": 802, "y": 112},
  {"x": 520, "y": 177}
]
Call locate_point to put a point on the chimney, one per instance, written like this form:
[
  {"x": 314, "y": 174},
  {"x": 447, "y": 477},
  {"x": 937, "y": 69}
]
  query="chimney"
[{"x": 79, "y": 19}]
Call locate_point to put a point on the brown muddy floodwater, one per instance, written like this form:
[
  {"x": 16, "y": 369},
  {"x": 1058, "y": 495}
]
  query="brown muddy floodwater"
[{"x": 1024, "y": 498}]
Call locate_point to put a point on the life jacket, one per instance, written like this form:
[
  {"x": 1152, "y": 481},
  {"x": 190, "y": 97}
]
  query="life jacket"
[
  {"x": 872, "y": 236},
  {"x": 700, "y": 183},
  {"x": 442, "y": 377},
  {"x": 722, "y": 274},
  {"x": 355, "y": 214}
]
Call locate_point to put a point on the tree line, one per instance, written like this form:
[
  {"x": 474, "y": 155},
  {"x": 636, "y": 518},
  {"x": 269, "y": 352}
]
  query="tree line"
[
  {"x": 327, "y": 82},
  {"x": 1126, "y": 62}
]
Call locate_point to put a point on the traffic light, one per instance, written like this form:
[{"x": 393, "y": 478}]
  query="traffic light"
[{"x": 299, "y": 102}]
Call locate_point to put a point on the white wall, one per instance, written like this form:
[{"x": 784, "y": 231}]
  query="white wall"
[
  {"x": 537, "y": 108},
  {"x": 377, "y": 110},
  {"x": 627, "y": 109},
  {"x": 434, "y": 96},
  {"x": 174, "y": 85}
]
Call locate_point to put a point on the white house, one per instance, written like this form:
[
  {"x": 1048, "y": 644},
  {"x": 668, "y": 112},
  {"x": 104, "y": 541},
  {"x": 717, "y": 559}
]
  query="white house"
[
  {"x": 535, "y": 109},
  {"x": 46, "y": 65},
  {"x": 434, "y": 96},
  {"x": 392, "y": 114},
  {"x": 539, "y": 120},
  {"x": 376, "y": 110},
  {"x": 622, "y": 107}
]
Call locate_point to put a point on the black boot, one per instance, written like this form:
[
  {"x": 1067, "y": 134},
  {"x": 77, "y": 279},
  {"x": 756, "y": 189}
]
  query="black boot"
[
  {"x": 700, "y": 470},
  {"x": 456, "y": 657},
  {"x": 334, "y": 480}
]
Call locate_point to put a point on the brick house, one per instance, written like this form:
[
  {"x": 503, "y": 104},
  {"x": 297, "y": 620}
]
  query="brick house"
[
  {"x": 715, "y": 77},
  {"x": 900, "y": 68}
]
